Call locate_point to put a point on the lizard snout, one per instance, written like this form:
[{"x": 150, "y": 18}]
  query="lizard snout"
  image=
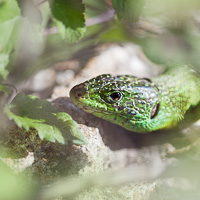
[{"x": 78, "y": 91}]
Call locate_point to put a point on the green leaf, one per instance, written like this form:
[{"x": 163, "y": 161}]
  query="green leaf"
[
  {"x": 4, "y": 59},
  {"x": 128, "y": 10},
  {"x": 52, "y": 125},
  {"x": 9, "y": 22},
  {"x": 71, "y": 126},
  {"x": 8, "y": 10},
  {"x": 70, "y": 14},
  {"x": 8, "y": 30}
]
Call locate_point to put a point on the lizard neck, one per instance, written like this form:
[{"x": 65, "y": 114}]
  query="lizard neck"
[{"x": 179, "y": 91}]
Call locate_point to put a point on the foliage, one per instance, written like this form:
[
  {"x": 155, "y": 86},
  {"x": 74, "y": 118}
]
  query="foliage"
[
  {"x": 69, "y": 14},
  {"x": 9, "y": 19},
  {"x": 52, "y": 125},
  {"x": 13, "y": 21}
]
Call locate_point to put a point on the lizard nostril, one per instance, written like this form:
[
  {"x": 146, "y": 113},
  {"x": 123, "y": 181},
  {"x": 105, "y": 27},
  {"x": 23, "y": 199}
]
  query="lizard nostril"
[{"x": 78, "y": 94}]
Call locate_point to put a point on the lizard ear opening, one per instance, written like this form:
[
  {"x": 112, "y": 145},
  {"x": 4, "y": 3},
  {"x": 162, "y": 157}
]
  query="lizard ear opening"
[{"x": 154, "y": 110}]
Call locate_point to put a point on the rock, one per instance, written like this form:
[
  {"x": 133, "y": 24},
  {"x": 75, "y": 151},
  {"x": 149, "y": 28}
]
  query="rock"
[
  {"x": 42, "y": 80},
  {"x": 167, "y": 189},
  {"x": 40, "y": 84},
  {"x": 65, "y": 77}
]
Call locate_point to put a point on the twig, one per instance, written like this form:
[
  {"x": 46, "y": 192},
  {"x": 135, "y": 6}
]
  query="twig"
[
  {"x": 100, "y": 19},
  {"x": 40, "y": 3}
]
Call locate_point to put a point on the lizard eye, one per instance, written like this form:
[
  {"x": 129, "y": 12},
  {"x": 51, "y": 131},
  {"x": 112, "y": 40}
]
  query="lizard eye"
[
  {"x": 115, "y": 96},
  {"x": 154, "y": 110}
]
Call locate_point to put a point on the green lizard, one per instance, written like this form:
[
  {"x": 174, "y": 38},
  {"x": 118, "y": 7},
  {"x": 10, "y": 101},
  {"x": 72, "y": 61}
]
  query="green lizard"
[{"x": 140, "y": 104}]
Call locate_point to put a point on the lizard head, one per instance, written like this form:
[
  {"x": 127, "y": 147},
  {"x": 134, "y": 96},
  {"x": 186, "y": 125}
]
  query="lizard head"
[{"x": 124, "y": 100}]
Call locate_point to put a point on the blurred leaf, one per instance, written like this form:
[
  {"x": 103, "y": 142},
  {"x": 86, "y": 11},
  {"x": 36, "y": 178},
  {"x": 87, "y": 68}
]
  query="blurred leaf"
[
  {"x": 52, "y": 125},
  {"x": 30, "y": 34},
  {"x": 4, "y": 59},
  {"x": 9, "y": 21},
  {"x": 11, "y": 182},
  {"x": 4, "y": 89},
  {"x": 70, "y": 14},
  {"x": 180, "y": 6},
  {"x": 8, "y": 30},
  {"x": 8, "y": 10},
  {"x": 128, "y": 10},
  {"x": 115, "y": 33}
]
